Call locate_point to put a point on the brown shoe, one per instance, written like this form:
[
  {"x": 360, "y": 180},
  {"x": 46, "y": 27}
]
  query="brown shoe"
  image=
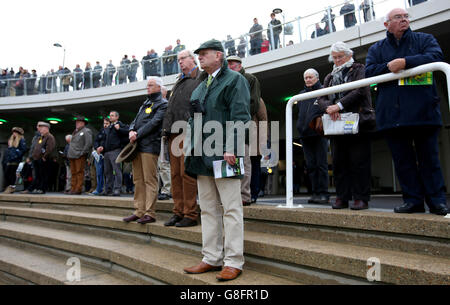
[
  {"x": 202, "y": 268},
  {"x": 228, "y": 274},
  {"x": 340, "y": 204},
  {"x": 359, "y": 205},
  {"x": 131, "y": 218},
  {"x": 146, "y": 219}
]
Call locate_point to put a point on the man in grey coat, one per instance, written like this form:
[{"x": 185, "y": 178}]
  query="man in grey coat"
[{"x": 80, "y": 146}]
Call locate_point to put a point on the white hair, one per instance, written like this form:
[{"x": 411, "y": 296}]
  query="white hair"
[
  {"x": 311, "y": 71},
  {"x": 69, "y": 136},
  {"x": 158, "y": 80},
  {"x": 340, "y": 47}
]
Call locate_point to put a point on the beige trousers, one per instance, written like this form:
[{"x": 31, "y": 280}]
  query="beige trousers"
[
  {"x": 145, "y": 178},
  {"x": 222, "y": 221}
]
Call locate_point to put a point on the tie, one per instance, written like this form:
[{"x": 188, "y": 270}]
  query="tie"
[{"x": 208, "y": 83}]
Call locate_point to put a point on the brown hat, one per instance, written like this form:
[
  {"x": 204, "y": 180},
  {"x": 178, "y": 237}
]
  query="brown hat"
[
  {"x": 128, "y": 153},
  {"x": 81, "y": 118},
  {"x": 18, "y": 130}
]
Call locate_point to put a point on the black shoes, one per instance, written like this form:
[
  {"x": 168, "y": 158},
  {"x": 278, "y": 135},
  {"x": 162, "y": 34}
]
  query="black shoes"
[
  {"x": 359, "y": 205},
  {"x": 321, "y": 199},
  {"x": 440, "y": 209},
  {"x": 163, "y": 197},
  {"x": 173, "y": 220},
  {"x": 186, "y": 222},
  {"x": 409, "y": 208}
]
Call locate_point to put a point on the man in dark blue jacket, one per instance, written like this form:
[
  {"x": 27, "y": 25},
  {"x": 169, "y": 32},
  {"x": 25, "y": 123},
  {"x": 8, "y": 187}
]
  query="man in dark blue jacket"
[
  {"x": 409, "y": 115},
  {"x": 145, "y": 131},
  {"x": 315, "y": 147}
]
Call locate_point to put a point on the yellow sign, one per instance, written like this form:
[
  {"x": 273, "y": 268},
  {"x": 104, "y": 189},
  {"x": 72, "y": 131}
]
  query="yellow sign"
[{"x": 421, "y": 79}]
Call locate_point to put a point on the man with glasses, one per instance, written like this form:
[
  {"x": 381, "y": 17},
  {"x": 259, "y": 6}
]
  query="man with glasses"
[{"x": 408, "y": 112}]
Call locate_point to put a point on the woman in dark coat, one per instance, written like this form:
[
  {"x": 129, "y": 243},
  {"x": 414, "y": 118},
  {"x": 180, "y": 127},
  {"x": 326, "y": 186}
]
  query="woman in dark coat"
[
  {"x": 351, "y": 153},
  {"x": 13, "y": 156}
]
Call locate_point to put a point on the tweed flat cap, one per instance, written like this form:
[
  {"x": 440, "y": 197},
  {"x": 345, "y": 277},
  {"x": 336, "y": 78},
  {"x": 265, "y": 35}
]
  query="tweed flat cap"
[
  {"x": 234, "y": 58},
  {"x": 128, "y": 153},
  {"x": 212, "y": 44},
  {"x": 44, "y": 124}
]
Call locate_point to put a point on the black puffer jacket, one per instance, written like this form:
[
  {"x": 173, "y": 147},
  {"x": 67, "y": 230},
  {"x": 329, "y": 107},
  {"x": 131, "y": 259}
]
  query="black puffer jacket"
[
  {"x": 148, "y": 124},
  {"x": 116, "y": 139},
  {"x": 304, "y": 113}
]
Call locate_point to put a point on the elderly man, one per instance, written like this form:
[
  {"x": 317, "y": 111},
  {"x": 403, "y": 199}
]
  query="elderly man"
[
  {"x": 184, "y": 187},
  {"x": 79, "y": 148},
  {"x": 408, "y": 113},
  {"x": 315, "y": 147},
  {"x": 222, "y": 96},
  {"x": 235, "y": 64},
  {"x": 43, "y": 150},
  {"x": 145, "y": 131}
]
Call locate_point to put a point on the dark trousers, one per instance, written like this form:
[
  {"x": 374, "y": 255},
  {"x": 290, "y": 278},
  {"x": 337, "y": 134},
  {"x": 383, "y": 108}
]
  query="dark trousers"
[
  {"x": 255, "y": 46},
  {"x": 255, "y": 180},
  {"x": 10, "y": 174},
  {"x": 113, "y": 172},
  {"x": 351, "y": 166},
  {"x": 415, "y": 153},
  {"x": 42, "y": 171},
  {"x": 315, "y": 150}
]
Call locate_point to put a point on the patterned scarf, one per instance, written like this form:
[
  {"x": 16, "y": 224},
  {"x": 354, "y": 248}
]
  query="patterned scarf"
[{"x": 338, "y": 78}]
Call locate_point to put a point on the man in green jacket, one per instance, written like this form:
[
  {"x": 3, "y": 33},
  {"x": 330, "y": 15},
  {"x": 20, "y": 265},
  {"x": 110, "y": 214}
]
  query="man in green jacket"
[{"x": 223, "y": 96}]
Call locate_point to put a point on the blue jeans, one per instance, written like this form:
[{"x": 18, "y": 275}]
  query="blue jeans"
[{"x": 99, "y": 166}]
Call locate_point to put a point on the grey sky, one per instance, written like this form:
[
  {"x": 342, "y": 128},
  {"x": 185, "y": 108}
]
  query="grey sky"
[{"x": 93, "y": 30}]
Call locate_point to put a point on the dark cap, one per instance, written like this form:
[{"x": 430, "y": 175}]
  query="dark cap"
[
  {"x": 81, "y": 118},
  {"x": 18, "y": 130},
  {"x": 212, "y": 44}
]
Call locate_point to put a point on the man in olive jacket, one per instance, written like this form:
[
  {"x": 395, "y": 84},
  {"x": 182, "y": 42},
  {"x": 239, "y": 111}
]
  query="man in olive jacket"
[
  {"x": 79, "y": 148},
  {"x": 222, "y": 96},
  {"x": 145, "y": 131}
]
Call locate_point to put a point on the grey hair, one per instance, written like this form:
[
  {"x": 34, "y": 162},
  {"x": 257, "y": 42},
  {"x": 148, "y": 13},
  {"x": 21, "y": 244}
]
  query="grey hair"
[
  {"x": 158, "y": 80},
  {"x": 311, "y": 71},
  {"x": 69, "y": 136},
  {"x": 340, "y": 47}
]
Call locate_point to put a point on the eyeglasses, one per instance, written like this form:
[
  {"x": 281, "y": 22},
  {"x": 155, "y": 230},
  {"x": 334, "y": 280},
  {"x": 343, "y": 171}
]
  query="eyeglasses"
[
  {"x": 339, "y": 57},
  {"x": 400, "y": 17}
]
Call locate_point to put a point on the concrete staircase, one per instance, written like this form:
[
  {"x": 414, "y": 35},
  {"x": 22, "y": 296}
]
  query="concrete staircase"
[{"x": 38, "y": 234}]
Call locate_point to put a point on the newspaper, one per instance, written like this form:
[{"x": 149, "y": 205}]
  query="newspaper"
[
  {"x": 224, "y": 170},
  {"x": 347, "y": 124}
]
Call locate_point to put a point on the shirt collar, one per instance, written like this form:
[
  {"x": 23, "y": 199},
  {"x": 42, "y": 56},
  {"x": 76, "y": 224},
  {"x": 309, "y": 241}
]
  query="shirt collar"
[{"x": 215, "y": 73}]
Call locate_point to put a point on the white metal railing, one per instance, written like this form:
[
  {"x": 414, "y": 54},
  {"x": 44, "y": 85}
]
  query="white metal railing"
[{"x": 437, "y": 66}]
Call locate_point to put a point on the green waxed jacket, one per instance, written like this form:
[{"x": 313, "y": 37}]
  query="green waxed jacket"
[{"x": 226, "y": 99}]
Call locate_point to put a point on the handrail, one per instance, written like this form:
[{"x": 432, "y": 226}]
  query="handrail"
[{"x": 437, "y": 66}]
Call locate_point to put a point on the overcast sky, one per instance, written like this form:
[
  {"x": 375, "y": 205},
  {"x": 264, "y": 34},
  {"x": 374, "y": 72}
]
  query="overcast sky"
[{"x": 93, "y": 30}]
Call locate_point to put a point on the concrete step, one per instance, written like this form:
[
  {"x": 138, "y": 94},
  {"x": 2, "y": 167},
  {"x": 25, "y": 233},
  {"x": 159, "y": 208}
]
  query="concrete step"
[
  {"x": 310, "y": 223},
  {"x": 147, "y": 258},
  {"x": 24, "y": 265},
  {"x": 422, "y": 225},
  {"x": 349, "y": 260}
]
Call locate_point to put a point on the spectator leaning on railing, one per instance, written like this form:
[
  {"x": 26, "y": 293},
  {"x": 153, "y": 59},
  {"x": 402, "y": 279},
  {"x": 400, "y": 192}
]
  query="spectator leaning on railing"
[{"x": 408, "y": 112}]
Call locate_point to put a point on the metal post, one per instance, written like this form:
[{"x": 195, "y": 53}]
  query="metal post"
[
  {"x": 271, "y": 36},
  {"x": 359, "y": 11},
  {"x": 284, "y": 34},
  {"x": 162, "y": 65},
  {"x": 90, "y": 80},
  {"x": 299, "y": 29},
  {"x": 329, "y": 18},
  {"x": 371, "y": 9},
  {"x": 247, "y": 49}
]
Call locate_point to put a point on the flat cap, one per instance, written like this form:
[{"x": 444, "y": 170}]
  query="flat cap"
[
  {"x": 44, "y": 124},
  {"x": 212, "y": 44},
  {"x": 18, "y": 129},
  {"x": 234, "y": 58}
]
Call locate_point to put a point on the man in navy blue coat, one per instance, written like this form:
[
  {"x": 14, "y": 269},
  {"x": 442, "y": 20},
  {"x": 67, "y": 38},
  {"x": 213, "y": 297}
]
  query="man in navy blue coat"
[{"x": 408, "y": 113}]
